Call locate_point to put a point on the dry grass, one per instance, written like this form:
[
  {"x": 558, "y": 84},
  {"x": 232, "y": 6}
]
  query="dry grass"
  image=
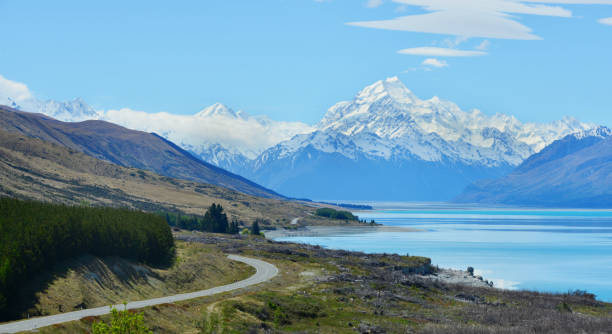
[{"x": 92, "y": 282}]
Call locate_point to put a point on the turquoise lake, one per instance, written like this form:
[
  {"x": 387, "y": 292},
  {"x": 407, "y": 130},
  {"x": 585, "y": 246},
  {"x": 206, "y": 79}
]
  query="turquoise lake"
[{"x": 543, "y": 250}]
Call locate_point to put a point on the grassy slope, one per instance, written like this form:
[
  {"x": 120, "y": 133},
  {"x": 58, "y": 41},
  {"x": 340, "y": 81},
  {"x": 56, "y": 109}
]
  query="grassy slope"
[
  {"x": 32, "y": 168},
  {"x": 92, "y": 282},
  {"x": 325, "y": 291}
]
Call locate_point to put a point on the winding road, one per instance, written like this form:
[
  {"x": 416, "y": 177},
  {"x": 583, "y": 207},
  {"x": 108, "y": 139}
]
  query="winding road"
[{"x": 265, "y": 272}]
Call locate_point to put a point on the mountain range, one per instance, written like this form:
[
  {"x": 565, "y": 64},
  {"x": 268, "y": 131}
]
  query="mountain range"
[
  {"x": 575, "y": 171},
  {"x": 384, "y": 144}
]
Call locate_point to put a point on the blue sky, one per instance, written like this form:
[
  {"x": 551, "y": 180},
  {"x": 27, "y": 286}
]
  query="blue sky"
[{"x": 293, "y": 59}]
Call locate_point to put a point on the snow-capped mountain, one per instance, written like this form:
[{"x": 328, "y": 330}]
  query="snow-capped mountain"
[
  {"x": 217, "y": 134},
  {"x": 70, "y": 111},
  {"x": 386, "y": 120},
  {"x": 429, "y": 148}
]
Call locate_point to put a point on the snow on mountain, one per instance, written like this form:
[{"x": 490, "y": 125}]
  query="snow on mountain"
[
  {"x": 216, "y": 134},
  {"x": 573, "y": 171},
  {"x": 597, "y": 132},
  {"x": 70, "y": 111},
  {"x": 386, "y": 120},
  {"x": 388, "y": 144}
]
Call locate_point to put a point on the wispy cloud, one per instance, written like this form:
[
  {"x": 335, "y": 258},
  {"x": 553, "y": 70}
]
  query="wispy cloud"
[
  {"x": 440, "y": 52},
  {"x": 374, "y": 3},
  {"x": 433, "y": 62},
  {"x": 475, "y": 18},
  {"x": 607, "y": 21},
  {"x": 484, "y": 45}
]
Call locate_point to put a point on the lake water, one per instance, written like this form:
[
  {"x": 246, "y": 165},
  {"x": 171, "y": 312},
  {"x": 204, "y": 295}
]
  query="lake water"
[{"x": 544, "y": 250}]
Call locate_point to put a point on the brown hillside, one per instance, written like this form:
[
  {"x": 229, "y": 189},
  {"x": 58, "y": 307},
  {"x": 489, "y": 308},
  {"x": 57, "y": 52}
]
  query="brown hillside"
[
  {"x": 33, "y": 168},
  {"x": 125, "y": 147}
]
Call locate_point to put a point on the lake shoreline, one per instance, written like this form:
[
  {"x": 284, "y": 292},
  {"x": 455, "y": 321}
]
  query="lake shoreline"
[
  {"x": 327, "y": 231},
  {"x": 514, "y": 249}
]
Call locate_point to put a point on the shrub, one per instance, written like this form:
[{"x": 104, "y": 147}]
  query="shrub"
[
  {"x": 335, "y": 214},
  {"x": 122, "y": 322}
]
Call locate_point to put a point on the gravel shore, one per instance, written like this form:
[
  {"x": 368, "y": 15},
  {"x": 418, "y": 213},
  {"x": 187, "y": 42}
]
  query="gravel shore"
[{"x": 326, "y": 231}]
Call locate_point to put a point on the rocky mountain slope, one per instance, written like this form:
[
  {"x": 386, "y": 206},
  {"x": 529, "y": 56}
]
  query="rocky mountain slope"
[
  {"x": 388, "y": 144},
  {"x": 124, "y": 147},
  {"x": 575, "y": 171}
]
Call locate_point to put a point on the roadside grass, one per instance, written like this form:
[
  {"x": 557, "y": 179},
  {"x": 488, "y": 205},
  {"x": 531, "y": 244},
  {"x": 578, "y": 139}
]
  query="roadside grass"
[{"x": 88, "y": 282}]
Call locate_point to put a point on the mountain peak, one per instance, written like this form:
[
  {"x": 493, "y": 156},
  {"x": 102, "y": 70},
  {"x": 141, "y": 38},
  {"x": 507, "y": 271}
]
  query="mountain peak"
[
  {"x": 218, "y": 109},
  {"x": 391, "y": 87}
]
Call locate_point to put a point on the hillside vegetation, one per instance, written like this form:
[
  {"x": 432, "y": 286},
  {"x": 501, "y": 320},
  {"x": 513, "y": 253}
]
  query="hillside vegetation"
[
  {"x": 335, "y": 214},
  {"x": 34, "y": 236},
  {"x": 34, "y": 169}
]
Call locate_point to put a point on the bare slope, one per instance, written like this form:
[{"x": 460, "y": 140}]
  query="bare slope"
[
  {"x": 127, "y": 148},
  {"x": 33, "y": 168}
]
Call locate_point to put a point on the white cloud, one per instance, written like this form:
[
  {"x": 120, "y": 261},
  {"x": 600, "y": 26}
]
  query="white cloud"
[
  {"x": 249, "y": 135},
  {"x": 607, "y": 21},
  {"x": 435, "y": 62},
  {"x": 14, "y": 90},
  {"x": 440, "y": 52},
  {"x": 374, "y": 3},
  {"x": 452, "y": 43},
  {"x": 475, "y": 18}
]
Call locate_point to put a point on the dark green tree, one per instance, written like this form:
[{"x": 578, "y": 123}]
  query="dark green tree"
[
  {"x": 215, "y": 220},
  {"x": 255, "y": 228},
  {"x": 234, "y": 228}
]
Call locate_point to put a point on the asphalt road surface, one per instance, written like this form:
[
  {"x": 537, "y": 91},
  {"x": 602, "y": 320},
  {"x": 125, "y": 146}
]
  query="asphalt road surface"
[{"x": 265, "y": 271}]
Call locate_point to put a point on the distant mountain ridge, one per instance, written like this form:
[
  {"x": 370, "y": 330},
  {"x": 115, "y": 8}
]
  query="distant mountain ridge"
[
  {"x": 124, "y": 147},
  {"x": 575, "y": 171},
  {"x": 420, "y": 149}
]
